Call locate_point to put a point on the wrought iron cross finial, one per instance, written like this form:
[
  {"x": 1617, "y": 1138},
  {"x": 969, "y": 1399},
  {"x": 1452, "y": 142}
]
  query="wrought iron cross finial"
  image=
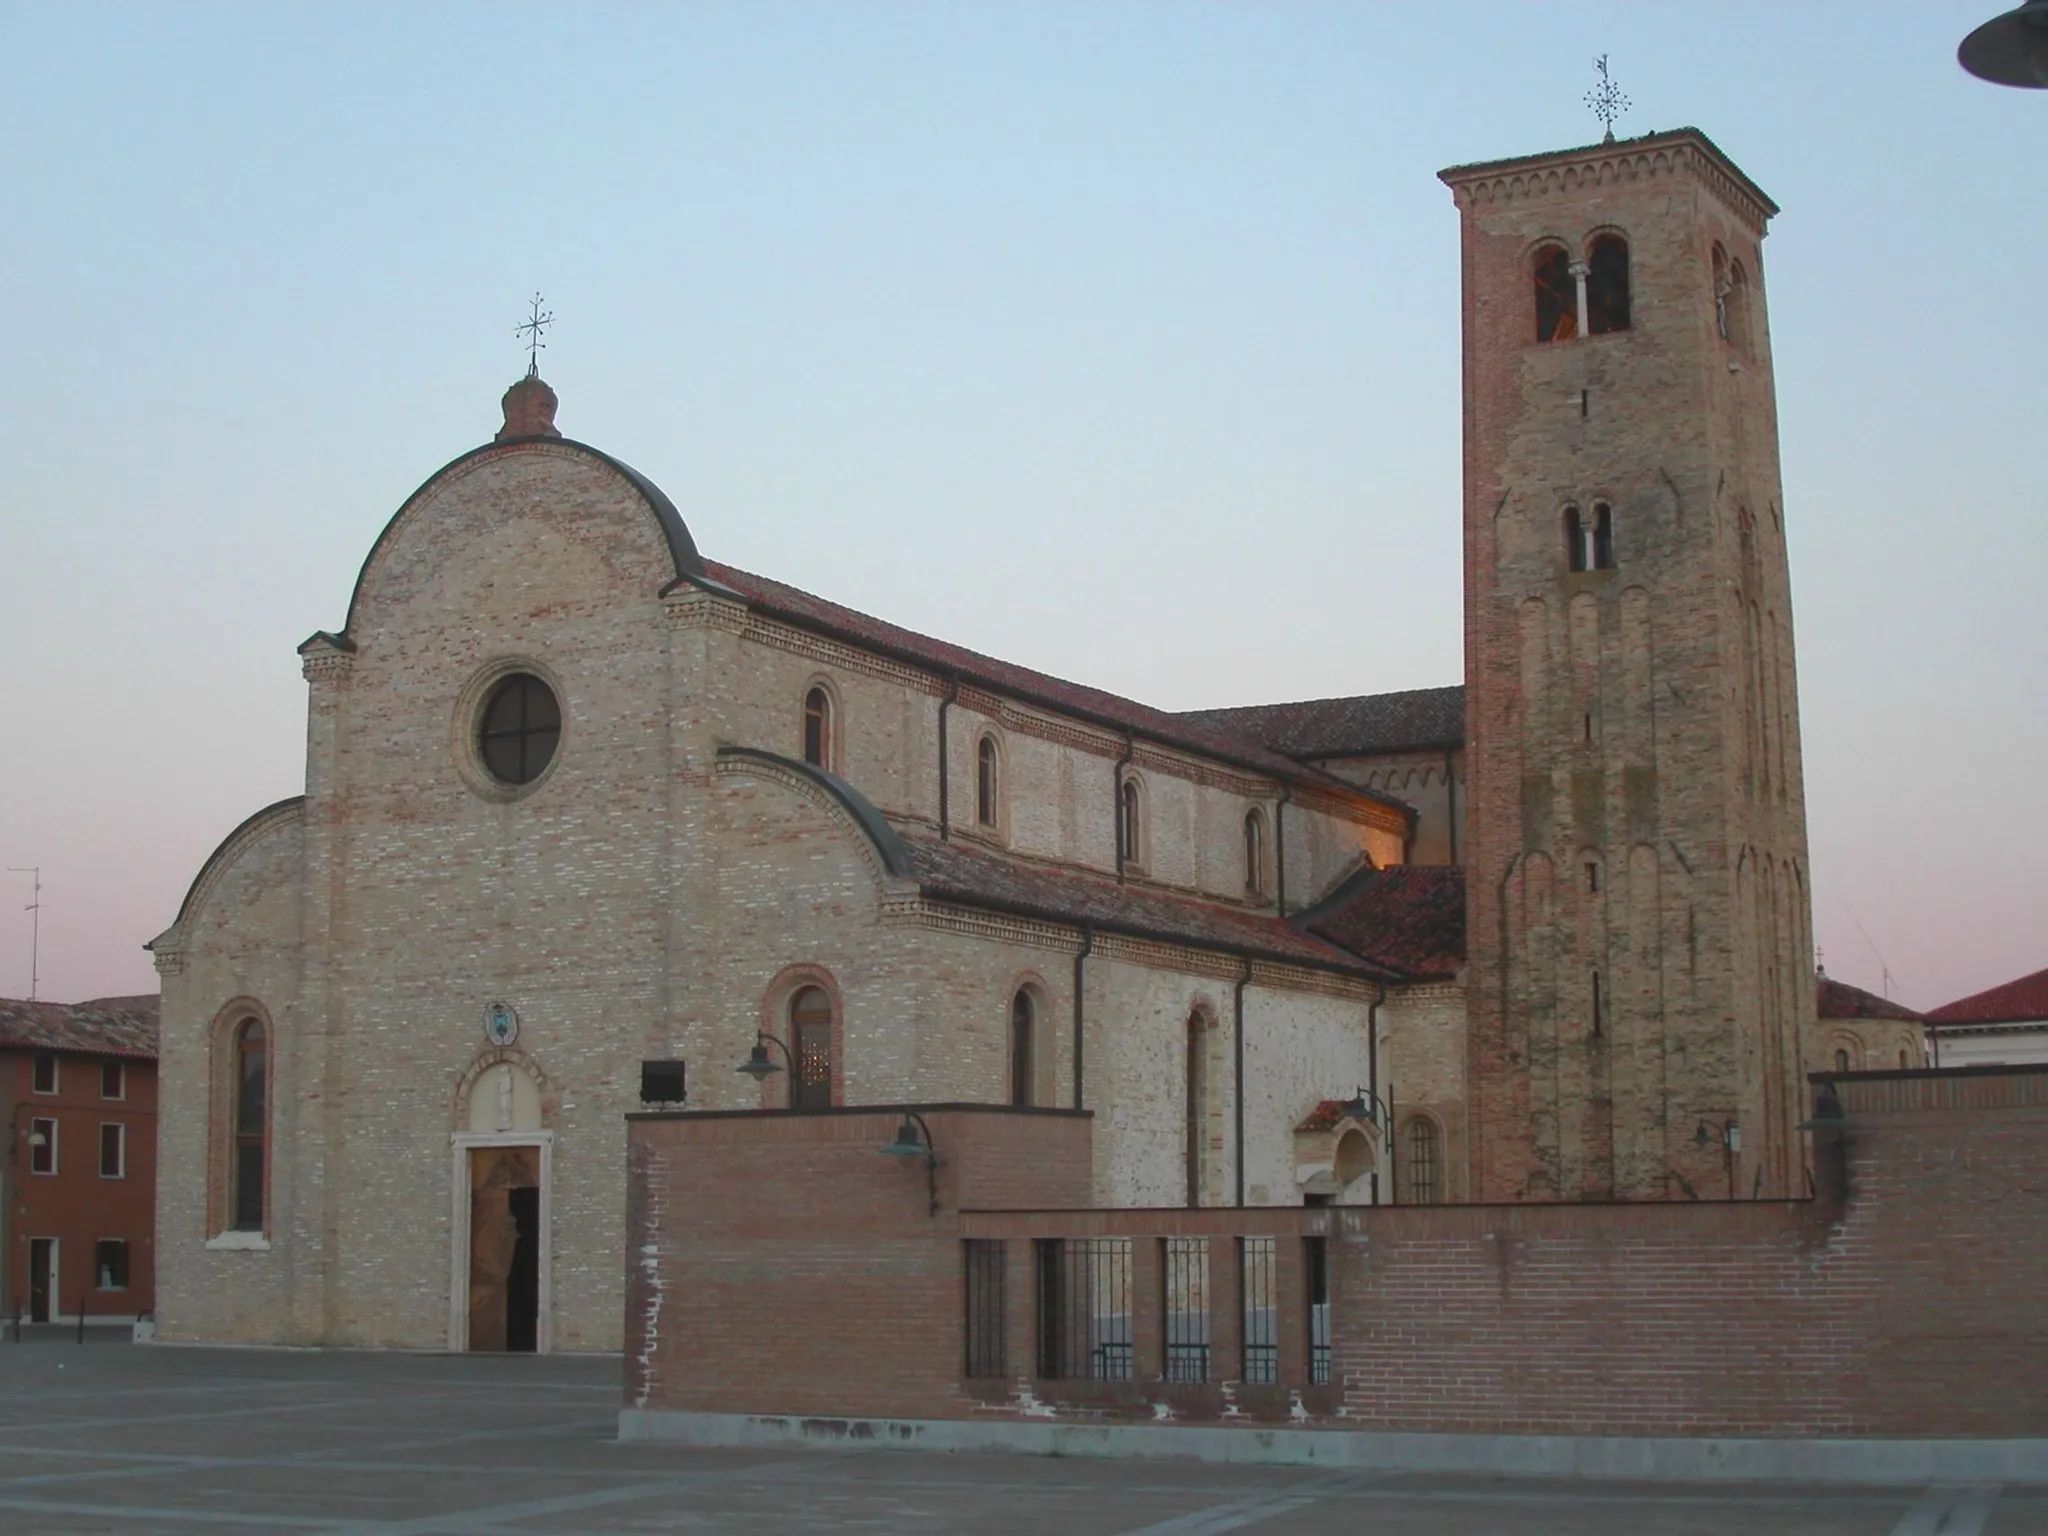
[
  {"x": 537, "y": 321},
  {"x": 1606, "y": 100}
]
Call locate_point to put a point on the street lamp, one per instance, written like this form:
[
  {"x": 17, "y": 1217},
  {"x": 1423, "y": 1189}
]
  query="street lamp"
[
  {"x": 1729, "y": 1134},
  {"x": 2011, "y": 49},
  {"x": 759, "y": 1065},
  {"x": 914, "y": 1137}
]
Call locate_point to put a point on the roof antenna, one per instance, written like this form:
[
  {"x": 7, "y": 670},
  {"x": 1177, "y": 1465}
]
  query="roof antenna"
[
  {"x": 1605, "y": 99},
  {"x": 35, "y": 926},
  {"x": 538, "y": 320}
]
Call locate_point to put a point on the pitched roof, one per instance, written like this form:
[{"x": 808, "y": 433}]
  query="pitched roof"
[
  {"x": 105, "y": 1026},
  {"x": 1839, "y": 1000},
  {"x": 2017, "y": 1002},
  {"x": 1362, "y": 725},
  {"x": 811, "y": 612},
  {"x": 1410, "y": 919},
  {"x": 973, "y": 877}
]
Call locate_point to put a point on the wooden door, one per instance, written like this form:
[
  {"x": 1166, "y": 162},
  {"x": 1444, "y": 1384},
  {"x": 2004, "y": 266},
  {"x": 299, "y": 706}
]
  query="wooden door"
[
  {"x": 494, "y": 1173},
  {"x": 42, "y": 1281}
]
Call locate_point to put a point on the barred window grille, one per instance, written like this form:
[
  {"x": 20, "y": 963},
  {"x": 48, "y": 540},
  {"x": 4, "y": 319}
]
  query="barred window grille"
[
  {"x": 1422, "y": 1188},
  {"x": 984, "y": 1261},
  {"x": 1084, "y": 1308},
  {"x": 1317, "y": 1262},
  {"x": 1257, "y": 1261},
  {"x": 1184, "y": 1306}
]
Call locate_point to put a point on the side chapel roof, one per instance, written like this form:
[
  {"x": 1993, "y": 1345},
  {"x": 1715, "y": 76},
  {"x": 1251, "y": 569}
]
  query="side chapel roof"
[{"x": 105, "y": 1026}]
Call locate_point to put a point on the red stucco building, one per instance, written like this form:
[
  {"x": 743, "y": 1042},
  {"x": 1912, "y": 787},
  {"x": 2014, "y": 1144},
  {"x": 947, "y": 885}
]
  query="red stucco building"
[{"x": 78, "y": 1182}]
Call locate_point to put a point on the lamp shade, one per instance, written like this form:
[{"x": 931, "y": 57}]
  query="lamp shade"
[
  {"x": 907, "y": 1143},
  {"x": 2011, "y": 49},
  {"x": 759, "y": 1064}
]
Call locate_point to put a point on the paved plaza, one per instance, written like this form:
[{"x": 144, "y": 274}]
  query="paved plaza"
[{"x": 111, "y": 1438}]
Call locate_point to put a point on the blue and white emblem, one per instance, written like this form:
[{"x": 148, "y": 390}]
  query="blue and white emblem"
[{"x": 501, "y": 1024}]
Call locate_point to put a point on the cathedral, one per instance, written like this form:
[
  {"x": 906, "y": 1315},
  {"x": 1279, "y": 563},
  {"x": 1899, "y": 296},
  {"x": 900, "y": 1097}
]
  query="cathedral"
[{"x": 593, "y": 820}]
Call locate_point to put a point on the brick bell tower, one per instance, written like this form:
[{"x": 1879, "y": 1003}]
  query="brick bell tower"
[{"x": 1640, "y": 976}]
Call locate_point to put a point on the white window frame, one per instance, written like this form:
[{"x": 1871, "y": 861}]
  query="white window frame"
[
  {"x": 120, "y": 1146},
  {"x": 56, "y": 1074},
  {"x": 51, "y": 1171}
]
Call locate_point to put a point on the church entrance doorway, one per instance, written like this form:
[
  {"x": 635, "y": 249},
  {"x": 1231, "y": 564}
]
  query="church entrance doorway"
[{"x": 504, "y": 1248}]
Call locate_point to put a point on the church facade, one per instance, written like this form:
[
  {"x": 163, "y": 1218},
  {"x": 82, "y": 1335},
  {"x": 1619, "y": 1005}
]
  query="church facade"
[{"x": 591, "y": 816}]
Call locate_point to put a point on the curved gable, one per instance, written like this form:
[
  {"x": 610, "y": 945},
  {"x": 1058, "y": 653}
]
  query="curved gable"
[
  {"x": 877, "y": 838},
  {"x": 271, "y": 819},
  {"x": 675, "y": 533}
]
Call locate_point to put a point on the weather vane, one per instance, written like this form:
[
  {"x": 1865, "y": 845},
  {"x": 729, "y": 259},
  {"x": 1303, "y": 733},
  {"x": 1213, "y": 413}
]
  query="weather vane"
[
  {"x": 538, "y": 320},
  {"x": 1605, "y": 99}
]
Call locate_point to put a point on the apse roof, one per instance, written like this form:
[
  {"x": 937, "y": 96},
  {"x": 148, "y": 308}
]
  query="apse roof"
[{"x": 1839, "y": 1000}]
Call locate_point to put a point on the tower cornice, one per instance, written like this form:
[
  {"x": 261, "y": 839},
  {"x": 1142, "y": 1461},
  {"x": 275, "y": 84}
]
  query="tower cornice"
[{"x": 1570, "y": 171}]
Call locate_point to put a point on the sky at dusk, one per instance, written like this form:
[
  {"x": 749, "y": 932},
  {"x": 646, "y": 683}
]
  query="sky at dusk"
[{"x": 1119, "y": 340}]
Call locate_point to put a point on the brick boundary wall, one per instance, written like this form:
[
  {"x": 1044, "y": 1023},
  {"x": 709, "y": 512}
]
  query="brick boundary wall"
[{"x": 781, "y": 1268}]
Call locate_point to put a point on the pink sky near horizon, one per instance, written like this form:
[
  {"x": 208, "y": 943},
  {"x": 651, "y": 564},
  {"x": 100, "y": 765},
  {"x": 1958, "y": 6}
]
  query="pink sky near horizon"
[{"x": 1157, "y": 303}]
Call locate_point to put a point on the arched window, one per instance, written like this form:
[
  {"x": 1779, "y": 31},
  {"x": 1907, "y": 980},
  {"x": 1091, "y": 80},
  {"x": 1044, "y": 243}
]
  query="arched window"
[
  {"x": 1023, "y": 1014},
  {"x": 1607, "y": 285},
  {"x": 1720, "y": 291},
  {"x": 1902, "y": 1062},
  {"x": 1578, "y": 549},
  {"x": 1130, "y": 822},
  {"x": 818, "y": 728},
  {"x": 1603, "y": 536},
  {"x": 1255, "y": 851},
  {"x": 1735, "y": 308},
  {"x": 252, "y": 1128},
  {"x": 810, "y": 1044},
  {"x": 1197, "y": 1107},
  {"x": 1841, "y": 1061},
  {"x": 1557, "y": 295},
  {"x": 1422, "y": 1161},
  {"x": 986, "y": 769}
]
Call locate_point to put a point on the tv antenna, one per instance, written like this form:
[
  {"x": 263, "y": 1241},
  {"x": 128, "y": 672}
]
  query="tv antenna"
[
  {"x": 35, "y": 923},
  {"x": 1606, "y": 100}
]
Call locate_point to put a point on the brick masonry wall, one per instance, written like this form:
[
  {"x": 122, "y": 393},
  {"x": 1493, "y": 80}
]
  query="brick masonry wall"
[
  {"x": 1909, "y": 1299},
  {"x": 827, "y": 1273}
]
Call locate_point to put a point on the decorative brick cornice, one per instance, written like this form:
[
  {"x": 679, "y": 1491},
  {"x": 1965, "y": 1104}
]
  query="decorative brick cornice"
[
  {"x": 968, "y": 922},
  {"x": 331, "y": 667},
  {"x": 1570, "y": 172},
  {"x": 169, "y": 962},
  {"x": 694, "y": 608}
]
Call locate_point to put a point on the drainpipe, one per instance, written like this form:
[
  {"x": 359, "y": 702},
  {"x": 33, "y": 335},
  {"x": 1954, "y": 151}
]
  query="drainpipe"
[
  {"x": 945, "y": 774},
  {"x": 1372, "y": 1077},
  {"x": 1087, "y": 948},
  {"x": 1280, "y": 847},
  {"x": 1116, "y": 804},
  {"x": 1451, "y": 802},
  {"x": 1237, "y": 1087}
]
